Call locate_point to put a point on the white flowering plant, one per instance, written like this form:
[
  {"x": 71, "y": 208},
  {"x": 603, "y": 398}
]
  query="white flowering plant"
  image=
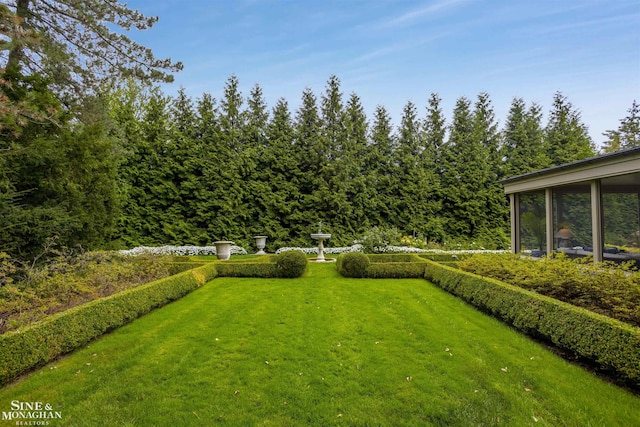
[
  {"x": 180, "y": 250},
  {"x": 389, "y": 249}
]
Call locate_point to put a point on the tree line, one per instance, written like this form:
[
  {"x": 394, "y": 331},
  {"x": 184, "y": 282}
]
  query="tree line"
[{"x": 201, "y": 170}]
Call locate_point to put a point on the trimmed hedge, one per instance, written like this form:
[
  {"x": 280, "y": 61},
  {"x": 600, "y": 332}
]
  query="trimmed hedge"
[
  {"x": 42, "y": 342},
  {"x": 378, "y": 258},
  {"x": 248, "y": 269},
  {"x": 613, "y": 345},
  {"x": 353, "y": 264},
  {"x": 445, "y": 257},
  {"x": 289, "y": 264},
  {"x": 381, "y": 266},
  {"x": 396, "y": 270}
]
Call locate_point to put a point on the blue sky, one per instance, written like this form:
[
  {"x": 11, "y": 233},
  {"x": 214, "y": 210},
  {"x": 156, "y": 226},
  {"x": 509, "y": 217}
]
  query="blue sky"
[{"x": 391, "y": 52}]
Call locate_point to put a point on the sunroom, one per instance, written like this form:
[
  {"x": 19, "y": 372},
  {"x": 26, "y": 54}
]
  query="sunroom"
[{"x": 588, "y": 207}]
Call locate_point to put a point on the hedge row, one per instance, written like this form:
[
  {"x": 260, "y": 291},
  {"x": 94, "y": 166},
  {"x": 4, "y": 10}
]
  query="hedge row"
[
  {"x": 381, "y": 266},
  {"x": 288, "y": 264},
  {"x": 613, "y": 345},
  {"x": 383, "y": 258},
  {"x": 62, "y": 333},
  {"x": 396, "y": 270},
  {"x": 247, "y": 269},
  {"x": 445, "y": 257}
]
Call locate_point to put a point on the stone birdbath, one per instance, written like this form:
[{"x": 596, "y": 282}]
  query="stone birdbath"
[
  {"x": 223, "y": 249},
  {"x": 261, "y": 242},
  {"x": 320, "y": 237}
]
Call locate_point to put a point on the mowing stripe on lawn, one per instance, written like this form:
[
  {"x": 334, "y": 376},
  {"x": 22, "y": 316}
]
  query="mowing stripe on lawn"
[{"x": 320, "y": 350}]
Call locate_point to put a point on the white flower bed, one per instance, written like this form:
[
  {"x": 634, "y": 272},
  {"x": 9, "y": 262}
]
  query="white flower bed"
[
  {"x": 180, "y": 250},
  {"x": 389, "y": 250},
  {"x": 314, "y": 250},
  {"x": 406, "y": 249},
  {"x": 238, "y": 250}
]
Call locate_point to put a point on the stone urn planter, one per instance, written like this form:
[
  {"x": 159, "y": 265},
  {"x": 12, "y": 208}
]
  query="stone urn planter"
[
  {"x": 223, "y": 249},
  {"x": 261, "y": 242}
]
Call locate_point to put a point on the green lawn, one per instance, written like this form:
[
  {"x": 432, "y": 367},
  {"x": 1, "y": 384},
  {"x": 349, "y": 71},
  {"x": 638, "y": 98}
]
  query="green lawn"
[{"x": 320, "y": 350}]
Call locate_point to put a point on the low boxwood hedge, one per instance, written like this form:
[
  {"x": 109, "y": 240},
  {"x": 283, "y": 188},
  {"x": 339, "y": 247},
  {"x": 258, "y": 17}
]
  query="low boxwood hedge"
[
  {"x": 353, "y": 264},
  {"x": 381, "y": 266},
  {"x": 378, "y": 258},
  {"x": 62, "y": 333},
  {"x": 613, "y": 345},
  {"x": 396, "y": 270},
  {"x": 248, "y": 269},
  {"x": 288, "y": 264},
  {"x": 445, "y": 257}
]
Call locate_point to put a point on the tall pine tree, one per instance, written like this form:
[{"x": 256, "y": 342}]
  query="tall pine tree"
[
  {"x": 628, "y": 133},
  {"x": 566, "y": 137}
]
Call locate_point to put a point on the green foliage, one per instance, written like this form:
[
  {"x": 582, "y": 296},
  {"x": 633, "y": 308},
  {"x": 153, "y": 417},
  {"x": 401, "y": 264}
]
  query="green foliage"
[
  {"x": 60, "y": 177},
  {"x": 603, "y": 288},
  {"x": 291, "y": 264},
  {"x": 380, "y": 266},
  {"x": 378, "y": 258},
  {"x": 248, "y": 269},
  {"x": 396, "y": 270},
  {"x": 284, "y": 352},
  {"x": 566, "y": 136},
  {"x": 377, "y": 238},
  {"x": 76, "y": 46},
  {"x": 353, "y": 264},
  {"x": 613, "y": 345},
  {"x": 445, "y": 257},
  {"x": 30, "y": 293},
  {"x": 628, "y": 133},
  {"x": 62, "y": 333},
  {"x": 169, "y": 170}
]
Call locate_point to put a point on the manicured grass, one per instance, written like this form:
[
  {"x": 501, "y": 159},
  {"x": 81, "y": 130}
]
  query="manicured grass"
[{"x": 320, "y": 350}]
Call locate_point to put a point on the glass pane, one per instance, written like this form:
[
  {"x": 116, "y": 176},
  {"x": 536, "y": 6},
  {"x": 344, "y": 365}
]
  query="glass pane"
[
  {"x": 572, "y": 218},
  {"x": 532, "y": 223}
]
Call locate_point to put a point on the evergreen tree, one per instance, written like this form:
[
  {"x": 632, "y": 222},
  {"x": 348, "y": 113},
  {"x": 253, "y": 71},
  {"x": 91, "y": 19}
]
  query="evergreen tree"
[
  {"x": 491, "y": 227},
  {"x": 350, "y": 173},
  {"x": 232, "y": 210},
  {"x": 310, "y": 158},
  {"x": 154, "y": 188},
  {"x": 280, "y": 174},
  {"x": 462, "y": 176},
  {"x": 58, "y": 177},
  {"x": 78, "y": 45},
  {"x": 379, "y": 170},
  {"x": 523, "y": 147},
  {"x": 330, "y": 193},
  {"x": 415, "y": 192},
  {"x": 566, "y": 138},
  {"x": 186, "y": 167},
  {"x": 215, "y": 157},
  {"x": 434, "y": 131},
  {"x": 628, "y": 133},
  {"x": 255, "y": 190}
]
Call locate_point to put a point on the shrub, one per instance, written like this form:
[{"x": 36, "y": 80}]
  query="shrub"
[
  {"x": 248, "y": 269},
  {"x": 602, "y": 288},
  {"x": 377, "y": 238},
  {"x": 291, "y": 264},
  {"x": 67, "y": 281},
  {"x": 396, "y": 270},
  {"x": 612, "y": 344},
  {"x": 378, "y": 258},
  {"x": 446, "y": 256},
  {"x": 353, "y": 264},
  {"x": 64, "y": 332}
]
